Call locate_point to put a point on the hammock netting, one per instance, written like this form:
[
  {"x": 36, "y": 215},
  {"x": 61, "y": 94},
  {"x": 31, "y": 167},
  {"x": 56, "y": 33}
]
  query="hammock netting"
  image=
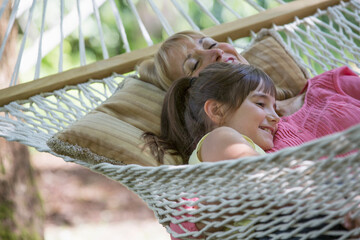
[{"x": 297, "y": 193}]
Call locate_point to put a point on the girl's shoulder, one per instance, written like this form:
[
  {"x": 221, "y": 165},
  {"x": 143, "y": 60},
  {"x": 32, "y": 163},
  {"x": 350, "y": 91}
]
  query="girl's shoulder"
[
  {"x": 224, "y": 130},
  {"x": 225, "y": 135},
  {"x": 225, "y": 143}
]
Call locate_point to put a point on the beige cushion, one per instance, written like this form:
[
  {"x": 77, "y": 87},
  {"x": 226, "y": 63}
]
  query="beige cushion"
[
  {"x": 136, "y": 103},
  {"x": 271, "y": 56},
  {"x": 112, "y": 132}
]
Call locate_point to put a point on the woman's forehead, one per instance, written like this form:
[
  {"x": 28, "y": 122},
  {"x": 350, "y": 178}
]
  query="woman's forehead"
[
  {"x": 187, "y": 44},
  {"x": 179, "y": 51}
]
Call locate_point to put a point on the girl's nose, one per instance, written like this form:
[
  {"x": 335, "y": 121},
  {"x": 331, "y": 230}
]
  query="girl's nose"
[{"x": 273, "y": 117}]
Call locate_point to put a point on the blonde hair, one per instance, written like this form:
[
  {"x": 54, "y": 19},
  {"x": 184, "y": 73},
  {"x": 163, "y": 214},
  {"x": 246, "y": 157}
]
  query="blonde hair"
[{"x": 156, "y": 69}]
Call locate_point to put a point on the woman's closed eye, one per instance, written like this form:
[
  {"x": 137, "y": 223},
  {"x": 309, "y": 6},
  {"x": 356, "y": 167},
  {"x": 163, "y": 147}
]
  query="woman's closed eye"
[
  {"x": 195, "y": 66},
  {"x": 208, "y": 43},
  {"x": 212, "y": 45},
  {"x": 191, "y": 65}
]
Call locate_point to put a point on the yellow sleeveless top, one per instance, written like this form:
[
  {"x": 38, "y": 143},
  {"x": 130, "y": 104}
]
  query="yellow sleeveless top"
[{"x": 195, "y": 157}]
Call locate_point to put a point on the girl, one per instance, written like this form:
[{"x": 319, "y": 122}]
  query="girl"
[{"x": 227, "y": 112}]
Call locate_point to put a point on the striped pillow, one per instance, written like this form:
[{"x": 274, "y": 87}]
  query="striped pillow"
[
  {"x": 112, "y": 132},
  {"x": 268, "y": 54}
]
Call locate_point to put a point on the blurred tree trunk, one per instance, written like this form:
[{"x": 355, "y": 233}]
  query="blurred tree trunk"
[{"x": 21, "y": 212}]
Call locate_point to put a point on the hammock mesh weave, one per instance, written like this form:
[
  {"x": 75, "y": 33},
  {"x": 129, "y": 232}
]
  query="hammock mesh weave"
[{"x": 297, "y": 193}]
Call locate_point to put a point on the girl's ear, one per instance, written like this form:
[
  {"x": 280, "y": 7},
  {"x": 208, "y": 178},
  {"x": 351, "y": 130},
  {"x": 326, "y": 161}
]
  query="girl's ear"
[{"x": 214, "y": 110}]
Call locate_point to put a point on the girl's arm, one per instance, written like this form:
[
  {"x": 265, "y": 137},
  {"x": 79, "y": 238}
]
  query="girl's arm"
[{"x": 225, "y": 143}]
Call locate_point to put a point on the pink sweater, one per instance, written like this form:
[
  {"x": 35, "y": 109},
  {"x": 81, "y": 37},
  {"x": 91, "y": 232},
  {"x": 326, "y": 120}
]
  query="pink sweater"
[{"x": 332, "y": 104}]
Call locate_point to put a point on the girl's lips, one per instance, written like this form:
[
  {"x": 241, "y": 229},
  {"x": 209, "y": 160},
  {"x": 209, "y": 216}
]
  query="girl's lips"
[{"x": 270, "y": 130}]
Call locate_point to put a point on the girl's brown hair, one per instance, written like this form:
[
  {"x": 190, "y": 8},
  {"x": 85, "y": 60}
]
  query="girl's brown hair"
[{"x": 183, "y": 119}]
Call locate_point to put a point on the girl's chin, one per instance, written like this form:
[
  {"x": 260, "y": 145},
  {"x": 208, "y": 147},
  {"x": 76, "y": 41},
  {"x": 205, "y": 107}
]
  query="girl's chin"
[{"x": 267, "y": 146}]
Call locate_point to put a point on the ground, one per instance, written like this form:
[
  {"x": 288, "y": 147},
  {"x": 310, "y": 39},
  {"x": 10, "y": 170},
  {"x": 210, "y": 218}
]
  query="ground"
[{"x": 81, "y": 204}]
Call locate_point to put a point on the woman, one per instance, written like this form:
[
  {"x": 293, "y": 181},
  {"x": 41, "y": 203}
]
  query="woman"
[{"x": 185, "y": 54}]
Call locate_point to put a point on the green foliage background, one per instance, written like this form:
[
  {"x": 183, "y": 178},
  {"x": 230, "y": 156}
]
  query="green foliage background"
[{"x": 112, "y": 37}]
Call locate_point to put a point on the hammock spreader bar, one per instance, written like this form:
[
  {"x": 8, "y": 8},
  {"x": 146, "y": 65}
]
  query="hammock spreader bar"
[{"x": 125, "y": 63}]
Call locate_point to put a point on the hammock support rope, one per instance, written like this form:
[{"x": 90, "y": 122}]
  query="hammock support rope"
[{"x": 296, "y": 193}]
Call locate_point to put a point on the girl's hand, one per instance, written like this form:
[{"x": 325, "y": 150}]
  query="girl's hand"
[{"x": 351, "y": 222}]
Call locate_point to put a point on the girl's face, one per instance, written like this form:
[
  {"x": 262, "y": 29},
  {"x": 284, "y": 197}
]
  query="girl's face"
[
  {"x": 256, "y": 118},
  {"x": 195, "y": 55}
]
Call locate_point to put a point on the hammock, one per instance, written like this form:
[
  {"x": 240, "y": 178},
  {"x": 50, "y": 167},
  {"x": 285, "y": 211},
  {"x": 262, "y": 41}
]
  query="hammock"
[{"x": 296, "y": 193}]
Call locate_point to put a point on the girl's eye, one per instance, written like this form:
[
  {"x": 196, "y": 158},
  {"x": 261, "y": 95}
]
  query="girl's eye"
[{"x": 260, "y": 104}]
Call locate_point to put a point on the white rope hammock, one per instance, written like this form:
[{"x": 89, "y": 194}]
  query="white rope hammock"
[{"x": 297, "y": 193}]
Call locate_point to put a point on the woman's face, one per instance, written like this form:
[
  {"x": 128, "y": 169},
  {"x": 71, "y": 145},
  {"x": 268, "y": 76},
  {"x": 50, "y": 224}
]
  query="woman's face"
[{"x": 197, "y": 54}]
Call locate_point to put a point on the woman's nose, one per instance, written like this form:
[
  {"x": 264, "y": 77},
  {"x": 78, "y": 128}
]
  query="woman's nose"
[
  {"x": 218, "y": 53},
  {"x": 214, "y": 54}
]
